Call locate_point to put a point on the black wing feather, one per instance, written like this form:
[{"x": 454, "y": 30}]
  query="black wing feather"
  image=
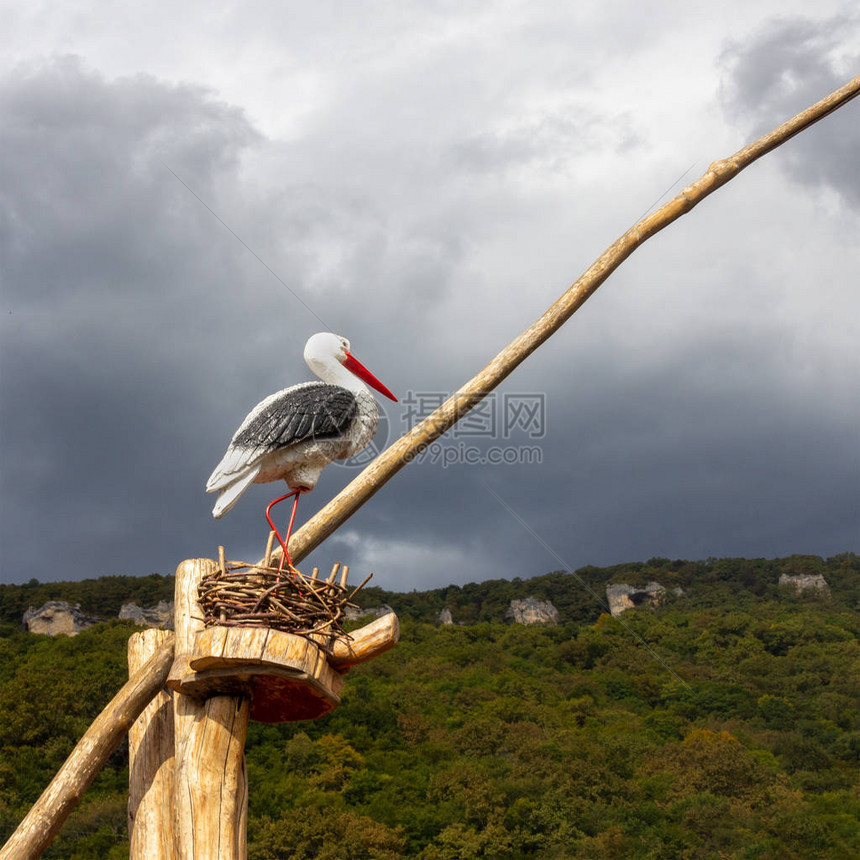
[{"x": 314, "y": 411}]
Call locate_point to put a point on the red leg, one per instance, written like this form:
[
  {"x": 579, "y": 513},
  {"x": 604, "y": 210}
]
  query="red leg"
[{"x": 284, "y": 542}]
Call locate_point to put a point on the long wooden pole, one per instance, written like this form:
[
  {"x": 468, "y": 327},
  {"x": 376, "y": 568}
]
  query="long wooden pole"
[
  {"x": 47, "y": 815},
  {"x": 411, "y": 444}
]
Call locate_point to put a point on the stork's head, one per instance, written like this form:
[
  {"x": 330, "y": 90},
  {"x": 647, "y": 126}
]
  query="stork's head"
[{"x": 325, "y": 347}]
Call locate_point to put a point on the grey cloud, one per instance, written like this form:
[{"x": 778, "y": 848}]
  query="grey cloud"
[
  {"x": 137, "y": 332},
  {"x": 549, "y": 146},
  {"x": 114, "y": 300},
  {"x": 787, "y": 65}
]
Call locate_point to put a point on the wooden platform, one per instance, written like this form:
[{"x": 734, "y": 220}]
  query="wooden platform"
[{"x": 287, "y": 677}]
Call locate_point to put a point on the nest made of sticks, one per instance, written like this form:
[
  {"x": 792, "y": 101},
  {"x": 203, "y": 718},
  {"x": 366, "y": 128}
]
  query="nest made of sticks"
[{"x": 244, "y": 595}]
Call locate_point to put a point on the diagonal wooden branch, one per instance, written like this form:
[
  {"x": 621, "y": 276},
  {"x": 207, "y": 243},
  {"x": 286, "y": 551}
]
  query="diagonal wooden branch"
[{"x": 411, "y": 444}]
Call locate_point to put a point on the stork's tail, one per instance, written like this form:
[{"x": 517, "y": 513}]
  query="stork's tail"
[{"x": 230, "y": 495}]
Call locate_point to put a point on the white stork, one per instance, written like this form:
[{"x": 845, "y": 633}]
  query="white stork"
[{"x": 294, "y": 434}]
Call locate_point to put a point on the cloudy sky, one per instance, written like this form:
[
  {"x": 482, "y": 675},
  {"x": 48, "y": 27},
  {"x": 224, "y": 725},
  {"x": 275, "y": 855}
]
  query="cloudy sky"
[{"x": 187, "y": 192}]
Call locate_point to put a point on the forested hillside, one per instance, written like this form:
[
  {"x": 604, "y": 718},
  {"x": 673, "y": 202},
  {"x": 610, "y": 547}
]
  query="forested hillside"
[
  {"x": 101, "y": 598},
  {"x": 579, "y": 596},
  {"x": 723, "y": 724}
]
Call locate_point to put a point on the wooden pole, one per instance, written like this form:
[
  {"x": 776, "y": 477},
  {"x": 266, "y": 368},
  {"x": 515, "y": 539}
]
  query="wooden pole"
[
  {"x": 409, "y": 446},
  {"x": 211, "y": 785},
  {"x": 150, "y": 762},
  {"x": 47, "y": 815}
]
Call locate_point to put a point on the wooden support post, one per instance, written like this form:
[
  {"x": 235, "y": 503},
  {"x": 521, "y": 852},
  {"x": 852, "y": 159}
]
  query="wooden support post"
[
  {"x": 211, "y": 786},
  {"x": 150, "y": 760},
  {"x": 35, "y": 832},
  {"x": 211, "y": 811}
]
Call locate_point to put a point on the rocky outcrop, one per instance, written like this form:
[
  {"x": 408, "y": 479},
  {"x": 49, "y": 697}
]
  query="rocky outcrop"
[
  {"x": 622, "y": 596},
  {"x": 57, "y": 617},
  {"x": 374, "y": 612},
  {"x": 444, "y": 617},
  {"x": 806, "y": 582},
  {"x": 532, "y": 611},
  {"x": 160, "y": 615}
]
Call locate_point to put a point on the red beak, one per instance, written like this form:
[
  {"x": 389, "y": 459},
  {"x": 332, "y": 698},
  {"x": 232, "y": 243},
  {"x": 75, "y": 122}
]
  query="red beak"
[{"x": 353, "y": 365}]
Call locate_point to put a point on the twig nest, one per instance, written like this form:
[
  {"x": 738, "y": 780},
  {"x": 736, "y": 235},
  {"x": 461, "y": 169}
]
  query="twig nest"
[{"x": 243, "y": 595}]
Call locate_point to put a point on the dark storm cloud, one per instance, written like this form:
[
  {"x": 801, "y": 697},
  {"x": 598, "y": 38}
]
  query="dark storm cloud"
[
  {"x": 787, "y": 65},
  {"x": 138, "y": 331},
  {"x": 116, "y": 299}
]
